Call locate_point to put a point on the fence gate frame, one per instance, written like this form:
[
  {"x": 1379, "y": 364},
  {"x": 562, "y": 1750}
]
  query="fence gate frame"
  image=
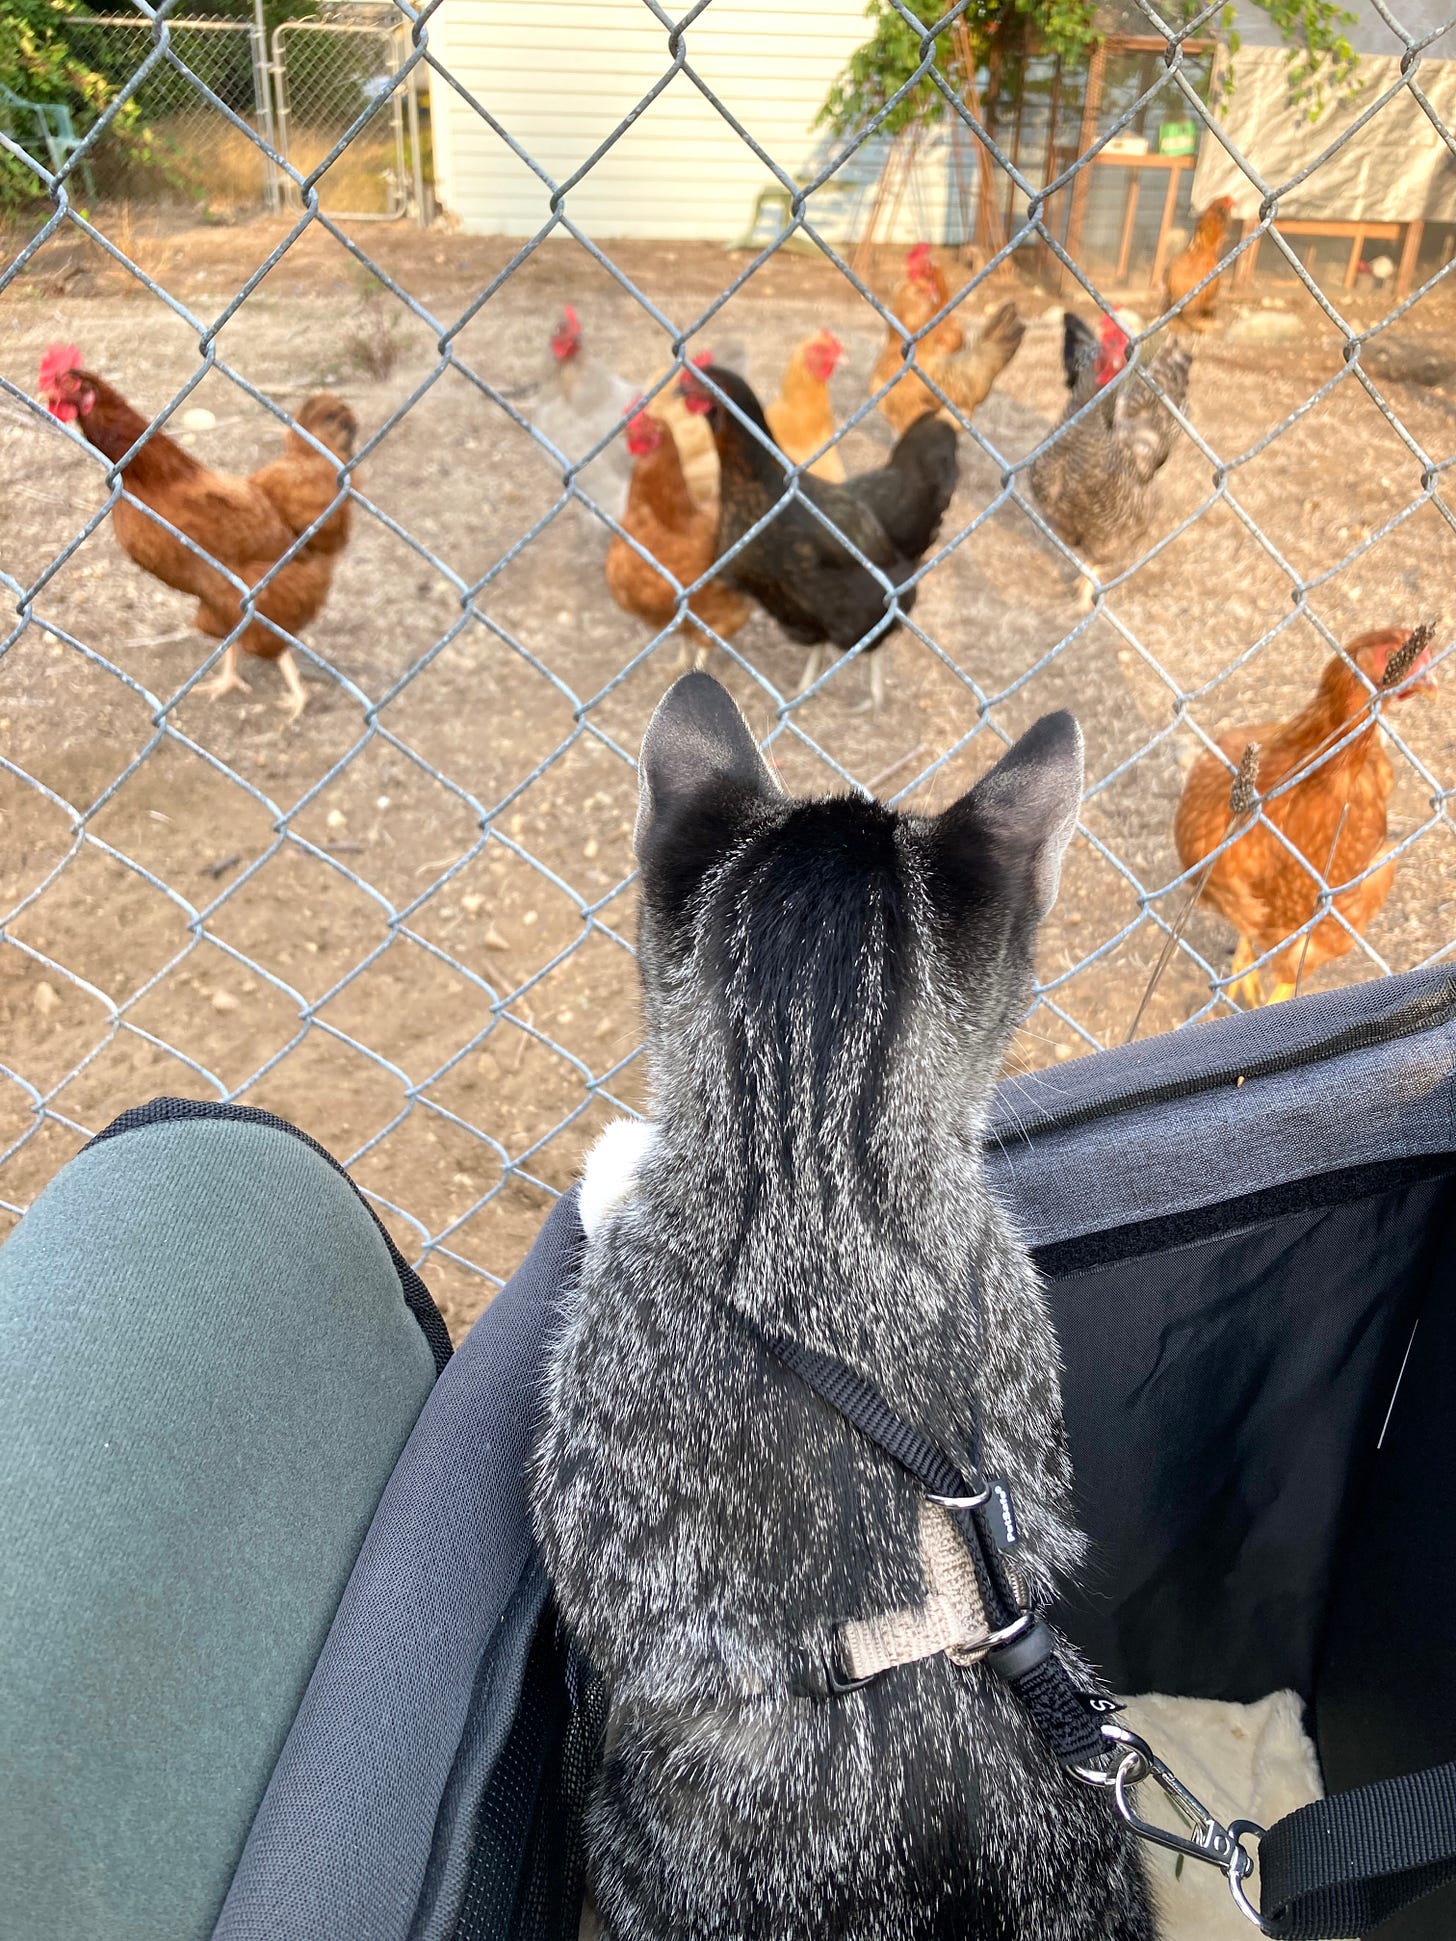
[
  {"x": 408, "y": 187},
  {"x": 258, "y": 61}
]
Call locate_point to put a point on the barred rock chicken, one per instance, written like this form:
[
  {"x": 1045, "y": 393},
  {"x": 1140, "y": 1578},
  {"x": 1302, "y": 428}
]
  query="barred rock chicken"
[
  {"x": 801, "y": 417},
  {"x": 245, "y": 524},
  {"x": 1335, "y": 815},
  {"x": 663, "y": 517},
  {"x": 795, "y": 568},
  {"x": 1187, "y": 271},
  {"x": 582, "y": 403},
  {"x": 1096, "y": 484},
  {"x": 965, "y": 375}
]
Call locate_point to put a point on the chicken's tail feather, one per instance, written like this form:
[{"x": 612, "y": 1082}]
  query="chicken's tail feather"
[{"x": 1079, "y": 349}]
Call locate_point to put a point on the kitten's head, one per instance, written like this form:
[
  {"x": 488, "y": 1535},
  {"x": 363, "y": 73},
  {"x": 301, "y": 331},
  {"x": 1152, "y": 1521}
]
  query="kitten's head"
[{"x": 821, "y": 966}]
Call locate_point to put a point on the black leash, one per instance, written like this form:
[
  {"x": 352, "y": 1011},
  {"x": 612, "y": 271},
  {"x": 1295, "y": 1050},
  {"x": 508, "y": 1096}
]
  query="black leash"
[
  {"x": 1023, "y": 1650},
  {"x": 1333, "y": 1869},
  {"x": 1342, "y": 1865}
]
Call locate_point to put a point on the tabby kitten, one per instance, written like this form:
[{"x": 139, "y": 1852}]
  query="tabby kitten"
[{"x": 829, "y": 988}]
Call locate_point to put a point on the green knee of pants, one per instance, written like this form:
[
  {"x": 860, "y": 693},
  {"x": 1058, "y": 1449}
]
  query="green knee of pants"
[{"x": 207, "y": 1370}]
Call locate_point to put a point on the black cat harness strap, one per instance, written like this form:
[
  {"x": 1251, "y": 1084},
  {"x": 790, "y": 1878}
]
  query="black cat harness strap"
[{"x": 1329, "y": 1870}]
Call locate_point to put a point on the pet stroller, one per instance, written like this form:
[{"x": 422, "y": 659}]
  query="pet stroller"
[{"x": 1249, "y": 1232}]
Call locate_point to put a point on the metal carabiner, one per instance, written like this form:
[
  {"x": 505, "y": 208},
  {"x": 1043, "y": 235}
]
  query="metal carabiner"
[{"x": 1209, "y": 1840}]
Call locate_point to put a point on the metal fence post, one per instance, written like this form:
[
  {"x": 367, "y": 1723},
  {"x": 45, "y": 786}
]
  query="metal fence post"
[
  {"x": 278, "y": 74},
  {"x": 424, "y": 213},
  {"x": 263, "y": 108}
]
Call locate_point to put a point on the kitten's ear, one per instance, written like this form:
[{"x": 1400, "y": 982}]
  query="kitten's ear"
[
  {"x": 1025, "y": 808},
  {"x": 697, "y": 746}
]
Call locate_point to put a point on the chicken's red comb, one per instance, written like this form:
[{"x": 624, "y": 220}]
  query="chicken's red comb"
[
  {"x": 57, "y": 361},
  {"x": 703, "y": 359},
  {"x": 695, "y": 394},
  {"x": 918, "y": 259},
  {"x": 644, "y": 432},
  {"x": 571, "y": 320}
]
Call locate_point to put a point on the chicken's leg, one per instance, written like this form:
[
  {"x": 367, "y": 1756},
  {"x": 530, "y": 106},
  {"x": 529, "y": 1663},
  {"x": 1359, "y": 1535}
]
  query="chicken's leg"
[
  {"x": 296, "y": 699},
  {"x": 696, "y": 648},
  {"x": 1285, "y": 988},
  {"x": 876, "y": 700},
  {"x": 227, "y": 680},
  {"x": 1085, "y": 593},
  {"x": 811, "y": 672},
  {"x": 1246, "y": 988}
]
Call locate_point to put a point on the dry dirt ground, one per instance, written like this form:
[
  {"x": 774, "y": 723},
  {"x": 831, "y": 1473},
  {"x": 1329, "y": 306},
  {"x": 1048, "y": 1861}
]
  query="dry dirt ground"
[{"x": 405, "y": 922}]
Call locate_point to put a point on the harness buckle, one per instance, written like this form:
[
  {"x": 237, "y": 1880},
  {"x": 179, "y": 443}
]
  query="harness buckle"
[{"x": 836, "y": 1677}]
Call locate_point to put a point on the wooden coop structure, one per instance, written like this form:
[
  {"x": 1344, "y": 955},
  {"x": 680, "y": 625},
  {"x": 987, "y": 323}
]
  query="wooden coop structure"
[
  {"x": 1384, "y": 182},
  {"x": 1377, "y": 193}
]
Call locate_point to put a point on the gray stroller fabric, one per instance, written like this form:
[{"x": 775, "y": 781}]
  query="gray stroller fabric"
[
  {"x": 1158, "y": 1127},
  {"x": 416, "y": 1692},
  {"x": 1236, "y": 1270}
]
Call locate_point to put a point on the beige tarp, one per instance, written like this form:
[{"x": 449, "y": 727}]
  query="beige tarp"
[{"x": 1395, "y": 169}]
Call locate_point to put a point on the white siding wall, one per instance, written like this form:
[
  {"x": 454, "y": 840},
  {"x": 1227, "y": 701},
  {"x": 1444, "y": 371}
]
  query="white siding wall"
[{"x": 561, "y": 74}]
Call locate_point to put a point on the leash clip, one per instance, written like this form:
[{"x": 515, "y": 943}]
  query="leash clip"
[{"x": 1208, "y": 1839}]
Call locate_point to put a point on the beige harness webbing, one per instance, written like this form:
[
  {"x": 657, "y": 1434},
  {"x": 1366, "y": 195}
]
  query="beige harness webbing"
[{"x": 952, "y": 1618}]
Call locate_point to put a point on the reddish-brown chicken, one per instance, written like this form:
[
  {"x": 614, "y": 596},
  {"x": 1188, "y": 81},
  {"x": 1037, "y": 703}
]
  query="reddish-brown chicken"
[
  {"x": 1334, "y": 815},
  {"x": 664, "y": 518},
  {"x": 1205, "y": 248},
  {"x": 801, "y": 417},
  {"x": 244, "y": 524}
]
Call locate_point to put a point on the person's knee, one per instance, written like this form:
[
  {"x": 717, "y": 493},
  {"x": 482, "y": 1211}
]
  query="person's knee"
[{"x": 208, "y": 1366}]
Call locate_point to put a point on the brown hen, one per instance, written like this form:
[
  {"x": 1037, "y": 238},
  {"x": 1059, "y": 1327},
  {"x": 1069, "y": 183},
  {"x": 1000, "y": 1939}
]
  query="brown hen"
[
  {"x": 665, "y": 519},
  {"x": 965, "y": 375},
  {"x": 1186, "y": 271},
  {"x": 920, "y": 293},
  {"x": 801, "y": 417},
  {"x": 1334, "y": 814},
  {"x": 244, "y": 524}
]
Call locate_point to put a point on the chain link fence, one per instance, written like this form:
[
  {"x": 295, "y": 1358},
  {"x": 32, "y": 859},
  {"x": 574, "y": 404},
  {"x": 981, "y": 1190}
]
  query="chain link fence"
[
  {"x": 200, "y": 129},
  {"x": 167, "y": 144},
  {"x": 406, "y": 922},
  {"x": 325, "y": 74}
]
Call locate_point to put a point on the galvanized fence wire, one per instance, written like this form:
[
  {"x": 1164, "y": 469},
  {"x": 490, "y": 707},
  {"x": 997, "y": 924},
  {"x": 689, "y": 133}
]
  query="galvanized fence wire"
[{"x": 171, "y": 61}]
